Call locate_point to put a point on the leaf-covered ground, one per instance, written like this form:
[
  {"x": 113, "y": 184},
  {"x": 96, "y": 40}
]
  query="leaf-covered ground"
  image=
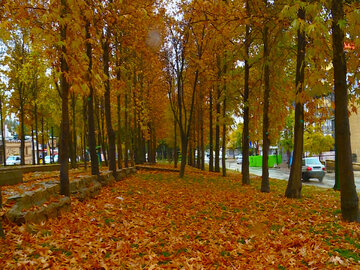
[{"x": 155, "y": 220}]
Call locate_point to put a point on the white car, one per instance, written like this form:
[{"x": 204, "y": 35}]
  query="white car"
[
  {"x": 312, "y": 168},
  {"x": 238, "y": 159},
  {"x": 13, "y": 160},
  {"x": 48, "y": 159}
]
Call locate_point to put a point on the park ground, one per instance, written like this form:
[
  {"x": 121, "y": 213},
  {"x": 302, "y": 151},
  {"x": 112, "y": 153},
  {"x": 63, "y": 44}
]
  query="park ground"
[{"x": 155, "y": 220}]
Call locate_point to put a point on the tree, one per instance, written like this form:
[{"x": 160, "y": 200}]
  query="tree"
[
  {"x": 183, "y": 113},
  {"x": 266, "y": 141},
  {"x": 2, "y": 99},
  {"x": 18, "y": 81},
  {"x": 293, "y": 189},
  {"x": 349, "y": 198},
  {"x": 245, "y": 138},
  {"x": 315, "y": 142},
  {"x": 90, "y": 101},
  {"x": 110, "y": 131},
  {"x": 287, "y": 138},
  {"x": 235, "y": 137},
  {"x": 65, "y": 88}
]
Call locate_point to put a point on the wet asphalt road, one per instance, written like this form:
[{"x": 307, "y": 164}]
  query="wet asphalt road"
[{"x": 283, "y": 174}]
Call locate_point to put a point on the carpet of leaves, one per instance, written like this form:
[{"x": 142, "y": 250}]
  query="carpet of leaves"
[{"x": 155, "y": 220}]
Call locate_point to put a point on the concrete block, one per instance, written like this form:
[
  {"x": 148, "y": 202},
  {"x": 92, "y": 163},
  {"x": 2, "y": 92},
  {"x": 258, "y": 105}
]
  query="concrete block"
[{"x": 8, "y": 178}]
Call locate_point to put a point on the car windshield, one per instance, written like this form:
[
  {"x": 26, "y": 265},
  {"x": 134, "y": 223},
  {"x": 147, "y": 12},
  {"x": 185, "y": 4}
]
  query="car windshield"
[
  {"x": 313, "y": 161},
  {"x": 11, "y": 158}
]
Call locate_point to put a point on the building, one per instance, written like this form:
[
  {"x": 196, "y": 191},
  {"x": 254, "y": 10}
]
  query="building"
[
  {"x": 12, "y": 148},
  {"x": 354, "y": 121}
]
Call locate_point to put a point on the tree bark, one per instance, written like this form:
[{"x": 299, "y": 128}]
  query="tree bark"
[
  {"x": 349, "y": 198},
  {"x": 52, "y": 145},
  {"x": 110, "y": 131},
  {"x": 190, "y": 160},
  {"x": 43, "y": 139},
  {"x": 211, "y": 148},
  {"x": 183, "y": 156},
  {"x": 22, "y": 127},
  {"x": 294, "y": 186},
  {"x": 175, "y": 146},
  {"x": 217, "y": 130},
  {"x": 74, "y": 148},
  {"x": 245, "y": 136},
  {"x": 85, "y": 131},
  {"x": 198, "y": 151},
  {"x": 37, "y": 136},
  {"x": 119, "y": 141},
  {"x": 32, "y": 146},
  {"x": 102, "y": 136},
  {"x": 90, "y": 105},
  {"x": 265, "y": 187},
  {"x": 126, "y": 154},
  {"x": 202, "y": 147},
  {"x": 2, "y": 131},
  {"x": 64, "y": 130},
  {"x": 223, "y": 165}
]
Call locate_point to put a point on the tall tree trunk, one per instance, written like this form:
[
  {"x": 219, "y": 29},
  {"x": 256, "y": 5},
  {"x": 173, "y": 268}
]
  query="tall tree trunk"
[
  {"x": 143, "y": 145},
  {"x": 245, "y": 136},
  {"x": 91, "y": 123},
  {"x": 293, "y": 189},
  {"x": 65, "y": 87},
  {"x": 175, "y": 146},
  {"x": 211, "y": 148},
  {"x": 74, "y": 148},
  {"x": 43, "y": 139},
  {"x": 265, "y": 187},
  {"x": 119, "y": 141},
  {"x": 103, "y": 136},
  {"x": 183, "y": 155},
  {"x": 194, "y": 143},
  {"x": 349, "y": 198},
  {"x": 190, "y": 161},
  {"x": 198, "y": 150},
  {"x": 126, "y": 154},
  {"x": 37, "y": 136},
  {"x": 154, "y": 144},
  {"x": 135, "y": 138},
  {"x": 85, "y": 131},
  {"x": 132, "y": 144},
  {"x": 2, "y": 132},
  {"x": 198, "y": 154},
  {"x": 32, "y": 146},
  {"x": 110, "y": 131},
  {"x": 217, "y": 130},
  {"x": 22, "y": 130},
  {"x": 202, "y": 147},
  {"x": 52, "y": 145},
  {"x": 131, "y": 132},
  {"x": 224, "y": 136}
]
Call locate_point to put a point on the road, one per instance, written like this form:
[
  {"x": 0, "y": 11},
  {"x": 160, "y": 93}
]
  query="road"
[{"x": 283, "y": 174}]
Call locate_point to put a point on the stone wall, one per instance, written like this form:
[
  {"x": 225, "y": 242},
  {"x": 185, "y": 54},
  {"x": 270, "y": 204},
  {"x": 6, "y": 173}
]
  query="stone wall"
[{"x": 46, "y": 202}]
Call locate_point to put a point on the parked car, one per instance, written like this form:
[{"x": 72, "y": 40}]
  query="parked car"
[
  {"x": 312, "y": 168},
  {"x": 48, "y": 159},
  {"x": 13, "y": 160},
  {"x": 238, "y": 159}
]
